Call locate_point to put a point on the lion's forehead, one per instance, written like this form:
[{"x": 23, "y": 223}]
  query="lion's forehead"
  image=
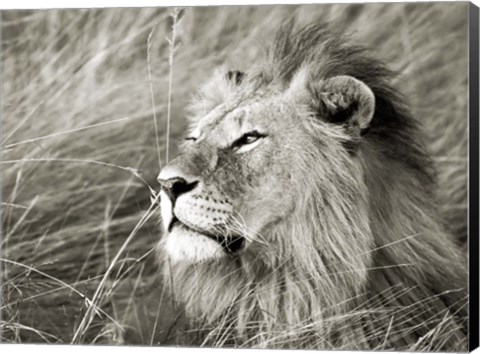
[{"x": 228, "y": 120}]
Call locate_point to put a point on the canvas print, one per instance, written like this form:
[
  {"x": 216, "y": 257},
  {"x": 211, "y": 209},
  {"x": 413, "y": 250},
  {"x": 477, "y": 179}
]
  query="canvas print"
[{"x": 282, "y": 176}]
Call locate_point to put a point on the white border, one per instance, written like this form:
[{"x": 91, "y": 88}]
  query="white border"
[{"x": 80, "y": 349}]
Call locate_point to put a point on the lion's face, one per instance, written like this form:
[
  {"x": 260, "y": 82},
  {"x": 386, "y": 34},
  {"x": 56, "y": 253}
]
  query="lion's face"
[
  {"x": 231, "y": 180},
  {"x": 238, "y": 173}
]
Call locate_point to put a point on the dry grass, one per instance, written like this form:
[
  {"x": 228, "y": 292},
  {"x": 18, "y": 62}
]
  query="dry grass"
[{"x": 92, "y": 103}]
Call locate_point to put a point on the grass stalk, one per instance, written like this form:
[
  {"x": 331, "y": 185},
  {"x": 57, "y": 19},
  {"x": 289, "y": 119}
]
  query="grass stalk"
[{"x": 172, "y": 49}]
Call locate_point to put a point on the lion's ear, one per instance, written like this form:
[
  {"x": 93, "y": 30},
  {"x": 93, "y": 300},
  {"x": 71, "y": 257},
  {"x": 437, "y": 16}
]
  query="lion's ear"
[
  {"x": 235, "y": 76},
  {"x": 344, "y": 100}
]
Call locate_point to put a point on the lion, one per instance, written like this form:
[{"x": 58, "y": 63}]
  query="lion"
[{"x": 301, "y": 212}]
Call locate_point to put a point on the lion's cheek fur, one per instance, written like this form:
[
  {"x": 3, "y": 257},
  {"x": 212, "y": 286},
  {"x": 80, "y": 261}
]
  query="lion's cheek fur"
[{"x": 263, "y": 205}]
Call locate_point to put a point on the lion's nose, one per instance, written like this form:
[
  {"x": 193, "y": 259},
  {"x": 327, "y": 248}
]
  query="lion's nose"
[{"x": 175, "y": 186}]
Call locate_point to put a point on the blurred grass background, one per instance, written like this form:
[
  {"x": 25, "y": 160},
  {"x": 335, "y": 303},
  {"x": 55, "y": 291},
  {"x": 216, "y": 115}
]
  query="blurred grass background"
[{"x": 78, "y": 133}]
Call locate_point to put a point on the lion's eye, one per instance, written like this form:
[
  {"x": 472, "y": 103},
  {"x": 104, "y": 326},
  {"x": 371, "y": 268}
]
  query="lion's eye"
[
  {"x": 247, "y": 139},
  {"x": 190, "y": 138},
  {"x": 250, "y": 139}
]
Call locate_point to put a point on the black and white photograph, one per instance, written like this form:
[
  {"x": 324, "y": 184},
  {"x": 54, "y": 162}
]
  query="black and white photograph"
[{"x": 298, "y": 176}]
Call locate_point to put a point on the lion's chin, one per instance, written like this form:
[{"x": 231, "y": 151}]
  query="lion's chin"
[{"x": 186, "y": 245}]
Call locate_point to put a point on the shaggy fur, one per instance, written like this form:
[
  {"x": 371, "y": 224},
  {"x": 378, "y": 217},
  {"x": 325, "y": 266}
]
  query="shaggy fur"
[{"x": 361, "y": 260}]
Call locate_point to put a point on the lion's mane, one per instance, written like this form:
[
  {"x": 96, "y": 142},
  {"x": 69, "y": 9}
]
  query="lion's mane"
[{"x": 318, "y": 288}]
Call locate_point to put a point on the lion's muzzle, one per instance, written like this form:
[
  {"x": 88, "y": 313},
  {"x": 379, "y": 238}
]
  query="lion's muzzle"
[{"x": 192, "y": 212}]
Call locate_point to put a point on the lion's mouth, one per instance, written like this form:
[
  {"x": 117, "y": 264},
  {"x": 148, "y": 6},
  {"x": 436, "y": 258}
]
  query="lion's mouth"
[{"x": 230, "y": 243}]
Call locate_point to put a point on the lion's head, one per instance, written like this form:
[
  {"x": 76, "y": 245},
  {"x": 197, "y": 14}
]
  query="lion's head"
[
  {"x": 295, "y": 181},
  {"x": 257, "y": 156}
]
